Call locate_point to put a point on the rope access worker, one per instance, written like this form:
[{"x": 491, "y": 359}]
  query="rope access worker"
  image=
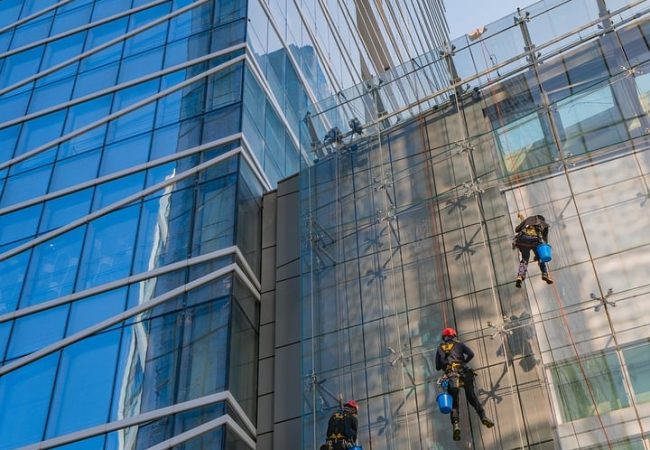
[
  {"x": 452, "y": 357},
  {"x": 531, "y": 232},
  {"x": 342, "y": 427}
]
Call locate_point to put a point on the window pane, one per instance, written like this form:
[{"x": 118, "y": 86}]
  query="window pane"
[
  {"x": 116, "y": 190},
  {"x": 95, "y": 309},
  {"x": 638, "y": 366},
  {"x": 74, "y": 170},
  {"x": 125, "y": 154},
  {"x": 605, "y": 377},
  {"x": 109, "y": 248},
  {"x": 13, "y": 272},
  {"x": 53, "y": 268},
  {"x": 63, "y": 210},
  {"x": 25, "y": 394},
  {"x": 26, "y": 186},
  {"x": 19, "y": 224},
  {"x": 84, "y": 384},
  {"x": 35, "y": 331}
]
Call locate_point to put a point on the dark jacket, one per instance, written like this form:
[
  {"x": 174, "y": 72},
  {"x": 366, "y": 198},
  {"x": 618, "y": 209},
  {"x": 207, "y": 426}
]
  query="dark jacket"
[
  {"x": 459, "y": 353},
  {"x": 342, "y": 425},
  {"x": 538, "y": 222}
]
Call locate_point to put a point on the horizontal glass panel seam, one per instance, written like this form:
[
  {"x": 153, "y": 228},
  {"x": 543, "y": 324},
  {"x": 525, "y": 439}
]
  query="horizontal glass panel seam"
[
  {"x": 33, "y": 16},
  {"x": 102, "y": 46},
  {"x": 120, "y": 283},
  {"x": 124, "y": 85},
  {"x": 113, "y": 176},
  {"x": 143, "y": 418},
  {"x": 81, "y": 28},
  {"x": 202, "y": 429},
  {"x": 122, "y": 112},
  {"x": 117, "y": 205},
  {"x": 87, "y": 332}
]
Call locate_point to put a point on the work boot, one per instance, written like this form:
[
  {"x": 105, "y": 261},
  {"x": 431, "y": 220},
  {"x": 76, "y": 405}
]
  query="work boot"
[
  {"x": 456, "y": 432},
  {"x": 487, "y": 422},
  {"x": 547, "y": 278},
  {"x": 518, "y": 281}
]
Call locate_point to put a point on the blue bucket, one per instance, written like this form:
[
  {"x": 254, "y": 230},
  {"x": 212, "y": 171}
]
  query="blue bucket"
[
  {"x": 355, "y": 447},
  {"x": 445, "y": 402},
  {"x": 544, "y": 253}
]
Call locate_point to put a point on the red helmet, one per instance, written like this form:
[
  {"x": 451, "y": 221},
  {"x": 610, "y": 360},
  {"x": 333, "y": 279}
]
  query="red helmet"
[
  {"x": 352, "y": 404},
  {"x": 449, "y": 332}
]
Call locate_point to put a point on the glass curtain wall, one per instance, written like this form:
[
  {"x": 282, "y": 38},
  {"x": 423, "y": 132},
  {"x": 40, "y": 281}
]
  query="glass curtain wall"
[
  {"x": 409, "y": 214},
  {"x": 130, "y": 225}
]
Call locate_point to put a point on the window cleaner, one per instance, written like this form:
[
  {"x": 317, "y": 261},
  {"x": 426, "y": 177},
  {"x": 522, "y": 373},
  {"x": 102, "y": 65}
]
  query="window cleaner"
[
  {"x": 342, "y": 428},
  {"x": 532, "y": 234},
  {"x": 452, "y": 356}
]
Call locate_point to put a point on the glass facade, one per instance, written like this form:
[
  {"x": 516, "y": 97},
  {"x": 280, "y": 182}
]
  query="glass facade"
[
  {"x": 136, "y": 140},
  {"x": 409, "y": 218}
]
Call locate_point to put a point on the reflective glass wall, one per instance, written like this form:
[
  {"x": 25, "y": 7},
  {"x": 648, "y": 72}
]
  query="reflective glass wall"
[
  {"x": 409, "y": 216},
  {"x": 130, "y": 226}
]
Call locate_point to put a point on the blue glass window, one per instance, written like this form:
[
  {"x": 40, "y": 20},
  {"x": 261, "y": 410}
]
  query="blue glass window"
[
  {"x": 87, "y": 112},
  {"x": 14, "y": 105},
  {"x": 93, "y": 443},
  {"x": 153, "y": 37},
  {"x": 19, "y": 224},
  {"x": 13, "y": 272},
  {"x": 8, "y": 138},
  {"x": 165, "y": 141},
  {"x": 73, "y": 18},
  {"x": 63, "y": 210},
  {"x": 5, "y": 328},
  {"x": 53, "y": 268},
  {"x": 221, "y": 123},
  {"x": 25, "y": 394},
  {"x": 25, "y": 186},
  {"x": 74, "y": 170},
  {"x": 228, "y": 35},
  {"x": 206, "y": 345},
  {"x": 10, "y": 11},
  {"x": 40, "y": 131},
  {"x": 214, "y": 221},
  {"x": 116, "y": 190},
  {"x": 224, "y": 87},
  {"x": 190, "y": 22},
  {"x": 101, "y": 58},
  {"x": 106, "y": 32},
  {"x": 20, "y": 66},
  {"x": 51, "y": 94},
  {"x": 92, "y": 310},
  {"x": 35, "y": 331},
  {"x": 109, "y": 248},
  {"x": 125, "y": 154},
  {"x": 62, "y": 49},
  {"x": 135, "y": 122},
  {"x": 134, "y": 94},
  {"x": 32, "y": 31},
  {"x": 84, "y": 384},
  {"x": 32, "y": 6},
  {"x": 96, "y": 79},
  {"x": 141, "y": 64},
  {"x": 109, "y": 8}
]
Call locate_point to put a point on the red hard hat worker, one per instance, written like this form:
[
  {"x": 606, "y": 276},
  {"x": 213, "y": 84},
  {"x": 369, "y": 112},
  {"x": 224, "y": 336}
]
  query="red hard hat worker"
[
  {"x": 449, "y": 333},
  {"x": 352, "y": 404}
]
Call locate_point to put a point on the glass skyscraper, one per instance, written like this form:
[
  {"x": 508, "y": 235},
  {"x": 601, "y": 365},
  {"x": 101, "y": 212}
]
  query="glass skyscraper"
[
  {"x": 407, "y": 221},
  {"x": 136, "y": 141}
]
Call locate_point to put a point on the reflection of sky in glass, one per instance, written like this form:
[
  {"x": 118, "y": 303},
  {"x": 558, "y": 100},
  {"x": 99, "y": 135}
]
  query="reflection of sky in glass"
[
  {"x": 464, "y": 16},
  {"x": 520, "y": 134},
  {"x": 575, "y": 110}
]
